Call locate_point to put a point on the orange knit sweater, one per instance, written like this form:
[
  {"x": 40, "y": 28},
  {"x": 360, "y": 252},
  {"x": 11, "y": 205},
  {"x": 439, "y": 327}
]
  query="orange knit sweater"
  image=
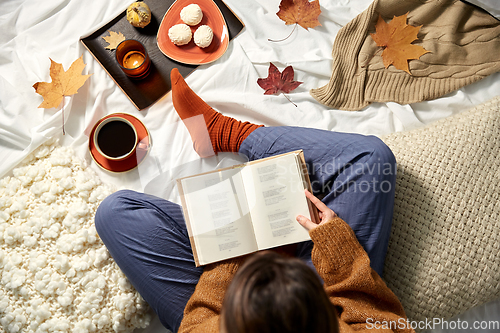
[{"x": 361, "y": 298}]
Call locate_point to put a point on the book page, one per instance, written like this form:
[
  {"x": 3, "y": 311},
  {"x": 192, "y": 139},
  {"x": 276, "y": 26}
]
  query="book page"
[
  {"x": 218, "y": 215},
  {"x": 275, "y": 194}
]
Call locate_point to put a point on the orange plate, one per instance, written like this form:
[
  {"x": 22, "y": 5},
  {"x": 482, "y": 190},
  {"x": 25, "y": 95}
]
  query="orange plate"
[
  {"x": 133, "y": 160},
  {"x": 190, "y": 53}
]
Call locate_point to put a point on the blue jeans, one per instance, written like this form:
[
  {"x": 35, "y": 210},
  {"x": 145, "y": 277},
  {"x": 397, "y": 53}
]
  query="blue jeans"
[{"x": 147, "y": 237}]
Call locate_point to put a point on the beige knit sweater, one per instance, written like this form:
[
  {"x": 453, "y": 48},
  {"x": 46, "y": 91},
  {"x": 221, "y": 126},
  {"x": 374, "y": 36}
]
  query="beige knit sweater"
[
  {"x": 464, "y": 45},
  {"x": 361, "y": 298}
]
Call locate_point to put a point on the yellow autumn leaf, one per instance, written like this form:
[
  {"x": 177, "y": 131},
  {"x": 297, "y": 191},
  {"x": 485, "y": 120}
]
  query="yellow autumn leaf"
[
  {"x": 113, "y": 39},
  {"x": 64, "y": 83}
]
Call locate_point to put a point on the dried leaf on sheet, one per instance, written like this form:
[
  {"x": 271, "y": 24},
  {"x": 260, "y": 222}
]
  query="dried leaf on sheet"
[
  {"x": 64, "y": 83},
  {"x": 113, "y": 39},
  {"x": 301, "y": 12},
  {"x": 298, "y": 12},
  {"x": 279, "y": 82},
  {"x": 396, "y": 38}
]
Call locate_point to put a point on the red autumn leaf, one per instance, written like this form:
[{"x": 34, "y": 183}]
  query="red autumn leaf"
[{"x": 277, "y": 82}]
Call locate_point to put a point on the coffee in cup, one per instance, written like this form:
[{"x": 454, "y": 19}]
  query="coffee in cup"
[{"x": 115, "y": 138}]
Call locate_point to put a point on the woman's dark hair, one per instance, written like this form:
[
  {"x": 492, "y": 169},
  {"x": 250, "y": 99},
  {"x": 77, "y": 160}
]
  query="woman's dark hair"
[{"x": 272, "y": 293}]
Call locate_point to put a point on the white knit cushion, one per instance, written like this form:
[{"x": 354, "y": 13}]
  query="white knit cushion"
[{"x": 443, "y": 255}]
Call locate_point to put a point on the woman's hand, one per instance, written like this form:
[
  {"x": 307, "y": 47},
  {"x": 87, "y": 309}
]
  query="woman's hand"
[{"x": 325, "y": 213}]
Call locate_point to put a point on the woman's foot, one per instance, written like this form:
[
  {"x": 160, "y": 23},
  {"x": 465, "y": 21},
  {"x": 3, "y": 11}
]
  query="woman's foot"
[{"x": 210, "y": 131}]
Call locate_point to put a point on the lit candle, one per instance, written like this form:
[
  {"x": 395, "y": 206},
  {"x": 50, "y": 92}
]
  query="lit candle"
[{"x": 133, "y": 59}]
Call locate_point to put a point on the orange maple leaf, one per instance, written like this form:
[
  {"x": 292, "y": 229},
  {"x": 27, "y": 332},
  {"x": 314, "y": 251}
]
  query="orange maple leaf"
[
  {"x": 63, "y": 83},
  {"x": 301, "y": 12},
  {"x": 396, "y": 38}
]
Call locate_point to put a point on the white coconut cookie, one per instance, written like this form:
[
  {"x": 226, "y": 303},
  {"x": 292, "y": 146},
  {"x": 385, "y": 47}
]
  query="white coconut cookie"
[
  {"x": 191, "y": 14},
  {"x": 180, "y": 34},
  {"x": 203, "y": 36}
]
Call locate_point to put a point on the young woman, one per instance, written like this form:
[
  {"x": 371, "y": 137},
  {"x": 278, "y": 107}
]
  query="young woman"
[{"x": 355, "y": 176}]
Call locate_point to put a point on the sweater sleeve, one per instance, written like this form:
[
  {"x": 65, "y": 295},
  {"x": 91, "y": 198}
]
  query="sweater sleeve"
[
  {"x": 203, "y": 308},
  {"x": 360, "y": 296}
]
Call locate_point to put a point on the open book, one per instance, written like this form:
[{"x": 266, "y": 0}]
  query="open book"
[{"x": 246, "y": 208}]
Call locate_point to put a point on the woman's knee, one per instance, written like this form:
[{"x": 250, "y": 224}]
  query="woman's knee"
[
  {"x": 381, "y": 153},
  {"x": 109, "y": 208},
  {"x": 372, "y": 166},
  {"x": 382, "y": 164},
  {"x": 130, "y": 212}
]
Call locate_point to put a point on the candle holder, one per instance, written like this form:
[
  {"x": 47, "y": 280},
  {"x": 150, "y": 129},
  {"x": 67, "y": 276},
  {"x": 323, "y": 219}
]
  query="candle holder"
[{"x": 133, "y": 58}]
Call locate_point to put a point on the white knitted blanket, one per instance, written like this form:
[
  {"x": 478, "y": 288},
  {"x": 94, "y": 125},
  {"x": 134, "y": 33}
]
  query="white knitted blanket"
[{"x": 56, "y": 274}]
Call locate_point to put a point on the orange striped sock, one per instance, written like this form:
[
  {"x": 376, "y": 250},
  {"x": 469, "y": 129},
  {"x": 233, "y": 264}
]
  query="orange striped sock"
[{"x": 217, "y": 133}]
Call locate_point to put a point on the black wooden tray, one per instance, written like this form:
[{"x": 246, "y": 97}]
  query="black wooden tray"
[{"x": 143, "y": 93}]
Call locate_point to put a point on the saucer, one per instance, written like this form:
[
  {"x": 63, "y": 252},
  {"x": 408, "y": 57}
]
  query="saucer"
[
  {"x": 190, "y": 53},
  {"x": 134, "y": 159}
]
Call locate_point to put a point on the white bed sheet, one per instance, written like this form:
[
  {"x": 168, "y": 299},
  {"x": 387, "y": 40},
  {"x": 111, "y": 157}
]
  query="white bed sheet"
[{"x": 34, "y": 31}]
